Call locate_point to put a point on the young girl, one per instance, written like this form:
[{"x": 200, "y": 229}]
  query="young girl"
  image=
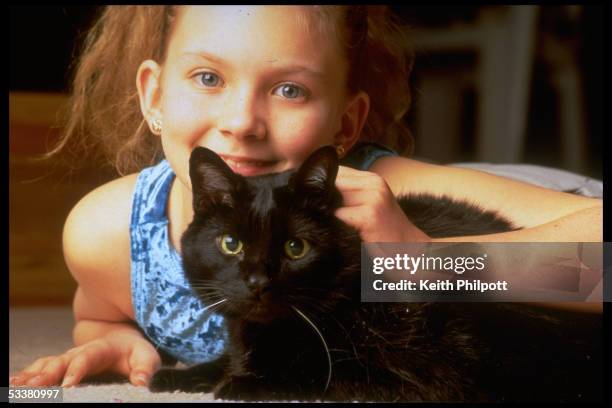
[{"x": 263, "y": 87}]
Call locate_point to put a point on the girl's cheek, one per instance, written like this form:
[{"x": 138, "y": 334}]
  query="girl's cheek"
[
  {"x": 181, "y": 100},
  {"x": 299, "y": 137},
  {"x": 187, "y": 116}
]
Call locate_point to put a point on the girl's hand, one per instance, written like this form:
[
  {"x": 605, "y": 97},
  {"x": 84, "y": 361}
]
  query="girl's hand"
[
  {"x": 371, "y": 208},
  {"x": 137, "y": 360}
]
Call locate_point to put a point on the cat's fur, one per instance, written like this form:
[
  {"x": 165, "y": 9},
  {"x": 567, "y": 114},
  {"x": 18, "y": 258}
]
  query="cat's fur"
[{"x": 379, "y": 351}]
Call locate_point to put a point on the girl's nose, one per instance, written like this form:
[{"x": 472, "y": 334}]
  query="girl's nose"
[{"x": 241, "y": 117}]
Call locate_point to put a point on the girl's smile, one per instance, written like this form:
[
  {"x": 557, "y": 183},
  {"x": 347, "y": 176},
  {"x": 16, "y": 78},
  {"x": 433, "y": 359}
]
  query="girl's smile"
[
  {"x": 263, "y": 94},
  {"x": 249, "y": 166}
]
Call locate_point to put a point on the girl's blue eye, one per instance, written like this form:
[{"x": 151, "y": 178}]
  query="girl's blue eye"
[
  {"x": 290, "y": 91},
  {"x": 209, "y": 79}
]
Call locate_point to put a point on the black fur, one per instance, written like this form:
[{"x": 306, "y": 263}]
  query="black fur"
[{"x": 379, "y": 351}]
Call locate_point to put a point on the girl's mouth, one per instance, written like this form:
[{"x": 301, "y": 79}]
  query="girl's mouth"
[{"x": 249, "y": 167}]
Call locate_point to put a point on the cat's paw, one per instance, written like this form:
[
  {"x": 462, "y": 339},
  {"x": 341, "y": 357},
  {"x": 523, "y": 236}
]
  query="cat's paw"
[
  {"x": 235, "y": 388},
  {"x": 163, "y": 380},
  {"x": 247, "y": 388},
  {"x": 170, "y": 379}
]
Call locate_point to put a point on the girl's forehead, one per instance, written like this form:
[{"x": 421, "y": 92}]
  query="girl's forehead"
[{"x": 269, "y": 32}]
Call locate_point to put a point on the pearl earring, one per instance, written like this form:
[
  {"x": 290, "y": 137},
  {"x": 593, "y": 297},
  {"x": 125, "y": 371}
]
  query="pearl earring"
[
  {"x": 340, "y": 150},
  {"x": 156, "y": 126}
]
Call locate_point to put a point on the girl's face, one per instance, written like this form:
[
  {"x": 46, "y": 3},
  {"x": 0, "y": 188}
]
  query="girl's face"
[{"x": 252, "y": 84}]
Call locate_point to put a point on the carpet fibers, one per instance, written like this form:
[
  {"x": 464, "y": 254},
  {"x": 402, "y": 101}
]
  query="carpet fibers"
[{"x": 39, "y": 332}]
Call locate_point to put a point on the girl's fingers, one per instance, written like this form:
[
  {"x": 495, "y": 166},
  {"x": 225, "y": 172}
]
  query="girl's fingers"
[
  {"x": 362, "y": 197},
  {"x": 37, "y": 365},
  {"x": 345, "y": 171},
  {"x": 350, "y": 182},
  {"x": 92, "y": 359},
  {"x": 31, "y": 372},
  {"x": 76, "y": 371},
  {"x": 44, "y": 371},
  {"x": 361, "y": 180},
  {"x": 352, "y": 216},
  {"x": 144, "y": 361},
  {"x": 54, "y": 370},
  {"x": 72, "y": 366}
]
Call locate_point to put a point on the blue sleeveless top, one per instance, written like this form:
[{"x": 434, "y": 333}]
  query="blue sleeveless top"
[{"x": 165, "y": 306}]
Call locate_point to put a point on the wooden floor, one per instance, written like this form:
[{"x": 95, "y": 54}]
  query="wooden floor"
[{"x": 40, "y": 196}]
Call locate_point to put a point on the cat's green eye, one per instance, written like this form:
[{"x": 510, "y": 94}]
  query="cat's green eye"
[
  {"x": 229, "y": 245},
  {"x": 296, "y": 248}
]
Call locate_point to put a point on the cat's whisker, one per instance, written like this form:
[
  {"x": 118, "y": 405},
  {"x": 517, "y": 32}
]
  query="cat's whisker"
[
  {"x": 348, "y": 337},
  {"x": 316, "y": 291},
  {"x": 207, "y": 293},
  {"x": 206, "y": 290},
  {"x": 312, "y": 303},
  {"x": 218, "y": 306},
  {"x": 322, "y": 339},
  {"x": 210, "y": 298},
  {"x": 344, "y": 359},
  {"x": 212, "y": 283},
  {"x": 216, "y": 283},
  {"x": 214, "y": 304},
  {"x": 214, "y": 310},
  {"x": 205, "y": 286}
]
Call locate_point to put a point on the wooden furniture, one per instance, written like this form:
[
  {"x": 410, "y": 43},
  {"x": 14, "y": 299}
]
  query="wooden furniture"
[{"x": 41, "y": 193}]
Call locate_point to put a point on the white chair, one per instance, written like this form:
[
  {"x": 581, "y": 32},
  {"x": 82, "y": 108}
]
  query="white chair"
[{"x": 504, "y": 39}]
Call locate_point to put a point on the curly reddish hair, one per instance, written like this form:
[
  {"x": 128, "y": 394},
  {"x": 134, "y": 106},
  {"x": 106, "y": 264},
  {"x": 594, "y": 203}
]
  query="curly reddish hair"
[{"x": 104, "y": 116}]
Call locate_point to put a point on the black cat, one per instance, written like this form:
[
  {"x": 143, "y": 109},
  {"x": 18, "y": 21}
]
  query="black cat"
[{"x": 285, "y": 273}]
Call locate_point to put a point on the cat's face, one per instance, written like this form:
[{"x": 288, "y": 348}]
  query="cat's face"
[{"x": 270, "y": 242}]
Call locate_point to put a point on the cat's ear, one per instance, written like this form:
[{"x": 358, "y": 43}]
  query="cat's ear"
[
  {"x": 212, "y": 180},
  {"x": 317, "y": 175}
]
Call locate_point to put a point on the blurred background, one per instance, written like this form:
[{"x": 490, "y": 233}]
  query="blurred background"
[
  {"x": 508, "y": 84},
  {"x": 497, "y": 84}
]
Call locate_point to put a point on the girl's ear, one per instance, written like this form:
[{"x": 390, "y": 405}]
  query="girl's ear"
[
  {"x": 148, "y": 80},
  {"x": 353, "y": 119}
]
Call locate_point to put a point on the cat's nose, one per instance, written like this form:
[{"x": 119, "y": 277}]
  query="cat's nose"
[{"x": 258, "y": 283}]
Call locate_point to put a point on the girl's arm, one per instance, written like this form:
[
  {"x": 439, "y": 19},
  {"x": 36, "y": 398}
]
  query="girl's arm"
[
  {"x": 545, "y": 215},
  {"x": 97, "y": 252},
  {"x": 584, "y": 225},
  {"x": 96, "y": 245},
  {"x": 107, "y": 341}
]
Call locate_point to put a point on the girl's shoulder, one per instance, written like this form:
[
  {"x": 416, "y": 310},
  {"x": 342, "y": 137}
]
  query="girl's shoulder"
[
  {"x": 106, "y": 208},
  {"x": 96, "y": 241}
]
